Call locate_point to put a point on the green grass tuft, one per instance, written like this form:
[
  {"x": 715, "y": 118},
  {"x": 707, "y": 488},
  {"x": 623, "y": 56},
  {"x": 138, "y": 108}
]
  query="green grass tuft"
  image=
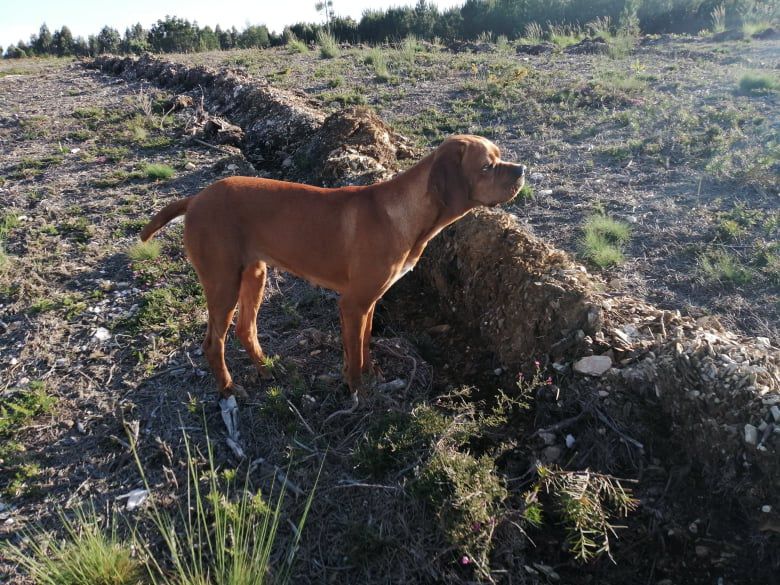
[
  {"x": 88, "y": 555},
  {"x": 603, "y": 239},
  {"x": 23, "y": 405},
  {"x": 329, "y": 48},
  {"x": 724, "y": 267},
  {"x": 158, "y": 172},
  {"x": 754, "y": 83},
  {"x": 144, "y": 251}
]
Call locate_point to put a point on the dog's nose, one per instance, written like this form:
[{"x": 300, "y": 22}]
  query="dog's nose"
[{"x": 519, "y": 170}]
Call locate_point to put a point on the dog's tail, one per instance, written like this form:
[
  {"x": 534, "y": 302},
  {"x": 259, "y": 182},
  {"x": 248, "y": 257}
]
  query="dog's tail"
[{"x": 165, "y": 215}]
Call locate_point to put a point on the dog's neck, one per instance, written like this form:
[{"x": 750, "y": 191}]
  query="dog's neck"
[{"x": 422, "y": 210}]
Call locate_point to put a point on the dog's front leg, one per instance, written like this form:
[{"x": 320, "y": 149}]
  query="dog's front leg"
[
  {"x": 353, "y": 326},
  {"x": 369, "y": 370}
]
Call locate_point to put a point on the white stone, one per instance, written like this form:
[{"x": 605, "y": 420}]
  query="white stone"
[
  {"x": 766, "y": 509},
  {"x": 751, "y": 434},
  {"x": 102, "y": 334},
  {"x": 775, "y": 412},
  {"x": 593, "y": 365},
  {"x": 570, "y": 440}
]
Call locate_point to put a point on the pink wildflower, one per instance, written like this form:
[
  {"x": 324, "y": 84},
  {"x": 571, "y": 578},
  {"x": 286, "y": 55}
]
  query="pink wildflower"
[{"x": 464, "y": 560}]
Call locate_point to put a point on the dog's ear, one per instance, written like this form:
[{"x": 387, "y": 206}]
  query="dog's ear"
[{"x": 447, "y": 180}]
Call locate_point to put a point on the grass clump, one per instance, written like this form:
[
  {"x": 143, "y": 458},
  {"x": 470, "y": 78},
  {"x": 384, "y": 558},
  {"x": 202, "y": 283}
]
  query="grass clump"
[
  {"x": 87, "y": 555},
  {"x": 227, "y": 518},
  {"x": 22, "y": 406},
  {"x": 527, "y": 192},
  {"x": 756, "y": 83},
  {"x": 603, "y": 240},
  {"x": 8, "y": 222},
  {"x": 329, "y": 48},
  {"x": 158, "y": 172},
  {"x": 293, "y": 43},
  {"x": 376, "y": 58},
  {"x": 142, "y": 251},
  {"x": 724, "y": 267},
  {"x": 223, "y": 533},
  {"x": 17, "y": 409}
]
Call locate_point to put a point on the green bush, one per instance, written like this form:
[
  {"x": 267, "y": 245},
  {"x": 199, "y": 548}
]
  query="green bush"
[{"x": 329, "y": 48}]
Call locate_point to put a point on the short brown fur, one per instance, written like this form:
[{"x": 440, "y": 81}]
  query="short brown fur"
[{"x": 356, "y": 241}]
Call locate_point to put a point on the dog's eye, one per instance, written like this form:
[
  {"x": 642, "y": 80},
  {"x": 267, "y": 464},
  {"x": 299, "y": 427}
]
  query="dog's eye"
[{"x": 486, "y": 168}]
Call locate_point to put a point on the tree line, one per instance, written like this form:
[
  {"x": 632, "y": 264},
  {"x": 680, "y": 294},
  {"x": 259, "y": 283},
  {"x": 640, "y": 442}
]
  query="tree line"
[{"x": 424, "y": 20}]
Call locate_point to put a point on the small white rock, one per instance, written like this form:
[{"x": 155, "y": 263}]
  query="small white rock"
[
  {"x": 570, "y": 440},
  {"x": 498, "y": 371},
  {"x": 766, "y": 509},
  {"x": 593, "y": 365},
  {"x": 536, "y": 176},
  {"x": 751, "y": 434},
  {"x": 775, "y": 412},
  {"x": 14, "y": 361},
  {"x": 102, "y": 334},
  {"x": 546, "y": 192}
]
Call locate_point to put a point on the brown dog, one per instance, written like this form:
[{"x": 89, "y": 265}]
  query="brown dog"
[{"x": 357, "y": 241}]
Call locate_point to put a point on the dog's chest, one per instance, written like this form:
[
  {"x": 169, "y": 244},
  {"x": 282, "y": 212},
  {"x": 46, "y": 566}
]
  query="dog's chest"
[{"x": 404, "y": 270}]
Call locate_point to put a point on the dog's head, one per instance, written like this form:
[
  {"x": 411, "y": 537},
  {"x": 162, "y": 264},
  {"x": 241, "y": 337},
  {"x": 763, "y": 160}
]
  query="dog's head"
[{"x": 468, "y": 171}]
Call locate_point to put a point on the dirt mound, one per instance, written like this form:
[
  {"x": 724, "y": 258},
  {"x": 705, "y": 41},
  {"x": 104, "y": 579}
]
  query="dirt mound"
[
  {"x": 529, "y": 301},
  {"x": 595, "y": 46},
  {"x": 767, "y": 33},
  {"x": 275, "y": 122},
  {"x": 353, "y": 147},
  {"x": 538, "y": 49},
  {"x": 524, "y": 296}
]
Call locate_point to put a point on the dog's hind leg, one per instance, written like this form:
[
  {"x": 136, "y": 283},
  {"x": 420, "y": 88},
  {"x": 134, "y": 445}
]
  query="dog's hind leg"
[
  {"x": 221, "y": 298},
  {"x": 250, "y": 298},
  {"x": 368, "y": 370}
]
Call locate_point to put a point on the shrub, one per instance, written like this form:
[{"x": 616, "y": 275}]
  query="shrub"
[
  {"x": 329, "y": 48},
  {"x": 294, "y": 44},
  {"x": 585, "y": 502}
]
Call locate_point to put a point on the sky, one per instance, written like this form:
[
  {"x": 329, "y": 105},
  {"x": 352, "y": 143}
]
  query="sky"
[{"x": 21, "y": 18}]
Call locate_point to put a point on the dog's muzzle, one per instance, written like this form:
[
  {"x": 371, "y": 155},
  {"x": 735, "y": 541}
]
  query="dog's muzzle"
[{"x": 519, "y": 170}]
